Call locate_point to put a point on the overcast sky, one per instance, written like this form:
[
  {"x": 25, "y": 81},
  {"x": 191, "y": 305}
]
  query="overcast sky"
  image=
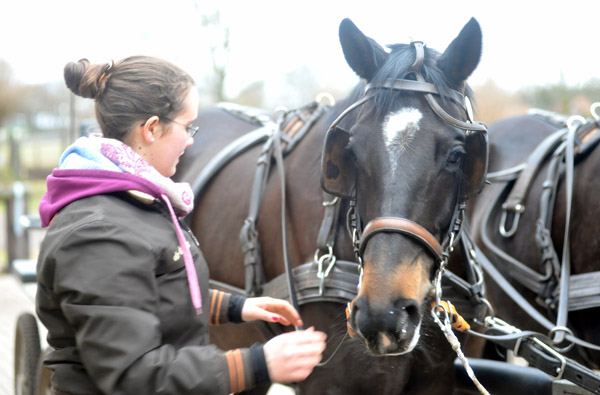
[{"x": 524, "y": 42}]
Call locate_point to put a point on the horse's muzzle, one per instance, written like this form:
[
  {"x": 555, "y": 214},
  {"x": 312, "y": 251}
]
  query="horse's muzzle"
[{"x": 394, "y": 330}]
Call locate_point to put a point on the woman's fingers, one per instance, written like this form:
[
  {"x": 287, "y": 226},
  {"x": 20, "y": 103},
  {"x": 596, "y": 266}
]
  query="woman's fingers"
[
  {"x": 271, "y": 310},
  {"x": 292, "y": 356}
]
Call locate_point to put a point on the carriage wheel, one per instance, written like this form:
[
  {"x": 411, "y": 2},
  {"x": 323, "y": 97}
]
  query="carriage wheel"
[
  {"x": 27, "y": 354},
  {"x": 43, "y": 376}
]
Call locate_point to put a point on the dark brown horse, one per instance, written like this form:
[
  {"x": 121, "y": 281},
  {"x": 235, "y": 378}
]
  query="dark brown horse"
[
  {"x": 398, "y": 163},
  {"x": 539, "y": 189}
]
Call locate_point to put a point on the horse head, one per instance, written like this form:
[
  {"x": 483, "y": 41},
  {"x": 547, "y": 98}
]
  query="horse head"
[{"x": 407, "y": 156}]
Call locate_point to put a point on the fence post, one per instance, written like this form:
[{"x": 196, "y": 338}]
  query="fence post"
[{"x": 17, "y": 238}]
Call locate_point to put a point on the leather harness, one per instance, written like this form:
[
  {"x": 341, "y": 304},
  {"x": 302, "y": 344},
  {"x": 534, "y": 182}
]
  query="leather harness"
[
  {"x": 556, "y": 287},
  {"x": 338, "y": 282}
]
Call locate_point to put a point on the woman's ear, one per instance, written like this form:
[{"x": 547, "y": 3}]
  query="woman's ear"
[{"x": 149, "y": 129}]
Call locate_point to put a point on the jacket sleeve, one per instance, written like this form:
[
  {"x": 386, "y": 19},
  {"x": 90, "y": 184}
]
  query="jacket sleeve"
[
  {"x": 225, "y": 307},
  {"x": 110, "y": 301}
]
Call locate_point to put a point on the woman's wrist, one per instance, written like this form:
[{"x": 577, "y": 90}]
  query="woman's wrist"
[
  {"x": 259, "y": 364},
  {"x": 236, "y": 304}
]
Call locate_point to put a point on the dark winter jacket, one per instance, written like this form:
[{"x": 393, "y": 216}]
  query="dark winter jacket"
[{"x": 114, "y": 296}]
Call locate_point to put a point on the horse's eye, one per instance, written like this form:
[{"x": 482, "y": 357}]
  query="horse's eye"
[{"x": 455, "y": 157}]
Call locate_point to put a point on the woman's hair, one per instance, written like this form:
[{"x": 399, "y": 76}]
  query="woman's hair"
[{"x": 129, "y": 91}]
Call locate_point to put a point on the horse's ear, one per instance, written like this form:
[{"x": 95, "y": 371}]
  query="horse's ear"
[
  {"x": 338, "y": 174},
  {"x": 362, "y": 53},
  {"x": 463, "y": 54}
]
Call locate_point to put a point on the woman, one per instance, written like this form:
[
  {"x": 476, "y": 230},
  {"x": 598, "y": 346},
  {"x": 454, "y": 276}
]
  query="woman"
[{"x": 122, "y": 284}]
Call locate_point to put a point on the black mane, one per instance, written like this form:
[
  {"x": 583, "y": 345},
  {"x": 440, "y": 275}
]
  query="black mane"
[{"x": 398, "y": 66}]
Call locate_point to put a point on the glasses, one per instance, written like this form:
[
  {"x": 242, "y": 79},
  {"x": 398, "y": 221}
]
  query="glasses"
[{"x": 192, "y": 130}]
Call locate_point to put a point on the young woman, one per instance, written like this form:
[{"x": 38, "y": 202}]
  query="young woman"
[{"x": 122, "y": 284}]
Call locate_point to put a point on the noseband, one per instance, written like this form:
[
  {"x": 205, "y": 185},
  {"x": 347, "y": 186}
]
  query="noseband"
[
  {"x": 438, "y": 250},
  {"x": 403, "y": 226}
]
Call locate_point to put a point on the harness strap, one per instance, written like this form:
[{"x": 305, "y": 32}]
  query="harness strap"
[
  {"x": 565, "y": 268},
  {"x": 414, "y": 86},
  {"x": 515, "y": 201},
  {"x": 295, "y": 126},
  {"x": 226, "y": 155},
  {"x": 533, "y": 347},
  {"x": 557, "y": 274},
  {"x": 550, "y": 263},
  {"x": 341, "y": 284},
  {"x": 248, "y": 233},
  {"x": 327, "y": 231},
  {"x": 521, "y": 273},
  {"x": 511, "y": 292},
  {"x": 286, "y": 253},
  {"x": 428, "y": 90},
  {"x": 404, "y": 226},
  {"x": 468, "y": 126},
  {"x": 583, "y": 291},
  {"x": 450, "y": 120}
]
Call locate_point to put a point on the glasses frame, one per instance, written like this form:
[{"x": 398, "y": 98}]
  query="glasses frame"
[{"x": 191, "y": 130}]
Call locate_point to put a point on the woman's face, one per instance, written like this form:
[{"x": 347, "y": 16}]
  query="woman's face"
[{"x": 174, "y": 139}]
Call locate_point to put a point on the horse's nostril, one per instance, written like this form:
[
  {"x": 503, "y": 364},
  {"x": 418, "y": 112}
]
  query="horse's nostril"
[{"x": 410, "y": 310}]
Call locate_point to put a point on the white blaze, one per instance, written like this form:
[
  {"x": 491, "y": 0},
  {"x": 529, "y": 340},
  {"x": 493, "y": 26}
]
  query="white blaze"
[{"x": 399, "y": 129}]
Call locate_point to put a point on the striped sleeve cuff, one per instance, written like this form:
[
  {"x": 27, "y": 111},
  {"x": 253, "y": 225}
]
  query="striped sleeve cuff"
[
  {"x": 225, "y": 307},
  {"x": 219, "y": 307},
  {"x": 247, "y": 368},
  {"x": 241, "y": 376}
]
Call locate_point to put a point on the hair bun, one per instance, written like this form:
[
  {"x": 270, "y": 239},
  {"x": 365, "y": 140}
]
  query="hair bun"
[{"x": 82, "y": 77}]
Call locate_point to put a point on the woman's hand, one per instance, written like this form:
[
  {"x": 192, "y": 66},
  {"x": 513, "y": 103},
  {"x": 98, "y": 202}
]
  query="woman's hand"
[
  {"x": 292, "y": 356},
  {"x": 270, "y": 310}
]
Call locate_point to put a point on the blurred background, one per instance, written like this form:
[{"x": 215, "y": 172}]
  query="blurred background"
[{"x": 265, "y": 54}]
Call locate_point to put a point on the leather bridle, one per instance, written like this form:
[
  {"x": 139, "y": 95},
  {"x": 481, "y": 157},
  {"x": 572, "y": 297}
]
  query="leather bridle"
[{"x": 402, "y": 225}]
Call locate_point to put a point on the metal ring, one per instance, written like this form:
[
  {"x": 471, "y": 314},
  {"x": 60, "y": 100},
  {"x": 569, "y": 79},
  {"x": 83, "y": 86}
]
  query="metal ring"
[
  {"x": 575, "y": 121},
  {"x": 491, "y": 312},
  {"x": 566, "y": 330},
  {"x": 594, "y": 110},
  {"x": 560, "y": 328},
  {"x": 443, "y": 308},
  {"x": 325, "y": 95},
  {"x": 316, "y": 256},
  {"x": 331, "y": 202},
  {"x": 331, "y": 259},
  {"x": 515, "y": 224}
]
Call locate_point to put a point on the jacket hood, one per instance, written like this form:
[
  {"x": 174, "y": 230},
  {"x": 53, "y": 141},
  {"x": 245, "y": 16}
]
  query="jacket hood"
[
  {"x": 67, "y": 185},
  {"x": 96, "y": 165}
]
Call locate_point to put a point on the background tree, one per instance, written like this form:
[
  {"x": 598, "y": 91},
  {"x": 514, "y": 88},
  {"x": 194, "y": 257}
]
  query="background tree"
[
  {"x": 11, "y": 94},
  {"x": 218, "y": 47}
]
